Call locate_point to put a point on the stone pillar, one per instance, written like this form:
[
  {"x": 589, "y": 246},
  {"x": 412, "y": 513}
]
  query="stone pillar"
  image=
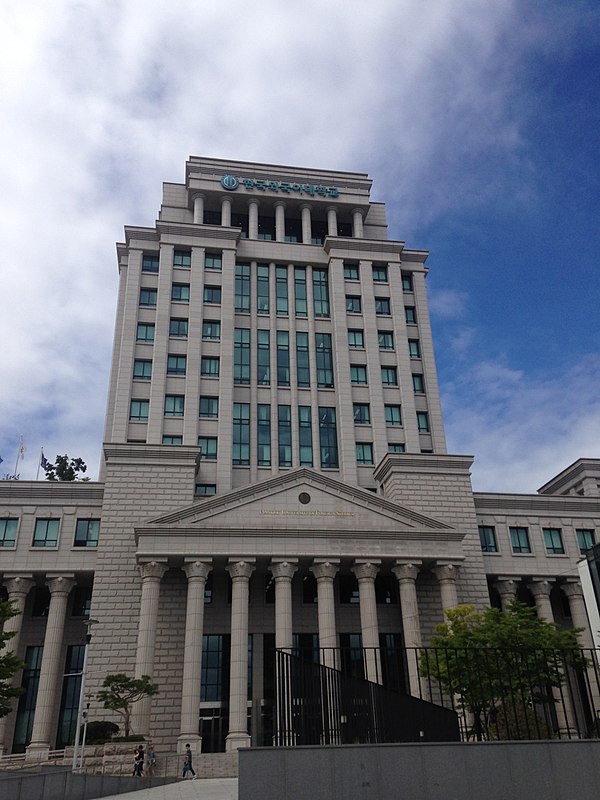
[
  {"x": 366, "y": 573},
  {"x": 253, "y": 219},
  {"x": 198, "y": 209},
  {"x": 225, "y": 217},
  {"x": 325, "y": 572},
  {"x": 574, "y": 592},
  {"x": 152, "y": 573},
  {"x": 541, "y": 589},
  {"x": 446, "y": 575},
  {"x": 507, "y": 589},
  {"x": 196, "y": 573},
  {"x": 306, "y": 224},
  {"x": 283, "y": 572},
  {"x": 332, "y": 221},
  {"x": 238, "y": 736},
  {"x": 18, "y": 587},
  {"x": 280, "y": 221},
  {"x": 406, "y": 573},
  {"x": 357, "y": 223},
  {"x": 44, "y": 723}
]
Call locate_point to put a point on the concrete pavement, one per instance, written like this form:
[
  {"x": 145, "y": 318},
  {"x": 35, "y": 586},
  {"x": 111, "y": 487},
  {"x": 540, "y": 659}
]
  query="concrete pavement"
[{"x": 200, "y": 789}]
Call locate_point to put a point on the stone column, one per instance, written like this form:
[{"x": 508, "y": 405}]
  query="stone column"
[
  {"x": 253, "y": 219},
  {"x": 283, "y": 572},
  {"x": 446, "y": 575},
  {"x": 366, "y": 573},
  {"x": 332, "y": 221},
  {"x": 357, "y": 223},
  {"x": 152, "y": 573},
  {"x": 541, "y": 589},
  {"x": 507, "y": 589},
  {"x": 306, "y": 224},
  {"x": 44, "y": 723},
  {"x": 226, "y": 211},
  {"x": 325, "y": 572},
  {"x": 18, "y": 587},
  {"x": 196, "y": 573},
  {"x": 574, "y": 592},
  {"x": 198, "y": 209},
  {"x": 406, "y": 573},
  {"x": 280, "y": 221},
  {"x": 237, "y": 737}
]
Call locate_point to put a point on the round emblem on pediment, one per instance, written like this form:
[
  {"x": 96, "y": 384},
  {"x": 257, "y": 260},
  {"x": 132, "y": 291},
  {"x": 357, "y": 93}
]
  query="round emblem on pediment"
[
  {"x": 230, "y": 182},
  {"x": 304, "y": 498}
]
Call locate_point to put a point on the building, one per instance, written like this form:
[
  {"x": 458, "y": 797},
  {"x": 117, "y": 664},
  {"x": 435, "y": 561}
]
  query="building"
[{"x": 275, "y": 473}]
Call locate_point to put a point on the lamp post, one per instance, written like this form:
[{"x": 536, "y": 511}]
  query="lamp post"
[{"x": 88, "y": 639}]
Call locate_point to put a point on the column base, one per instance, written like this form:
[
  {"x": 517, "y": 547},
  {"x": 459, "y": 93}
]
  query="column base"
[
  {"x": 37, "y": 752},
  {"x": 235, "y": 741},
  {"x": 194, "y": 741}
]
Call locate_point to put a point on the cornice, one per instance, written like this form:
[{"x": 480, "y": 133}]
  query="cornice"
[
  {"x": 185, "y": 229},
  {"x": 570, "y": 474},
  {"x": 423, "y": 464},
  {"x": 144, "y": 234},
  {"x": 528, "y": 503},
  {"x": 61, "y": 491},
  {"x": 155, "y": 454},
  {"x": 378, "y": 246},
  {"x": 418, "y": 256}
]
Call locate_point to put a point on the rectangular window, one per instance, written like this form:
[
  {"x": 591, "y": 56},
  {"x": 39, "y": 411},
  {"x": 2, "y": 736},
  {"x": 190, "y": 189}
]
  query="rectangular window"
[
  {"x": 8, "y": 532},
  {"x": 364, "y": 453},
  {"x": 324, "y": 360},
  {"x": 410, "y": 315},
  {"x": 174, "y": 405},
  {"x": 293, "y": 230},
  {"x": 362, "y": 413},
  {"x": 214, "y": 677},
  {"x": 358, "y": 374},
  {"x": 281, "y": 291},
  {"x": 172, "y": 439},
  {"x": 283, "y": 358},
  {"x": 351, "y": 271},
  {"x": 300, "y": 291},
  {"x": 423, "y": 421},
  {"x": 209, "y": 366},
  {"x": 353, "y": 304},
  {"x": 208, "y": 448},
  {"x": 240, "y": 221},
  {"x": 87, "y": 532},
  {"x": 212, "y": 295},
  {"x": 264, "y": 434},
  {"x": 205, "y": 489},
  {"x": 418, "y": 383},
  {"x": 262, "y": 288},
  {"x": 389, "y": 376},
  {"x": 302, "y": 359},
  {"x": 380, "y": 273},
  {"x": 27, "y": 701},
  {"x": 211, "y": 217},
  {"x": 182, "y": 258},
  {"x": 487, "y": 539},
  {"x": 305, "y": 434},
  {"x": 178, "y": 327},
  {"x": 382, "y": 306},
  {"x": 241, "y": 356},
  {"x": 386, "y": 340},
  {"x": 407, "y": 282},
  {"x": 211, "y": 330},
  {"x": 519, "y": 540},
  {"x": 142, "y": 369},
  {"x": 318, "y": 231},
  {"x": 241, "y": 434},
  {"x": 393, "y": 415},
  {"x": 180, "y": 293},
  {"x": 46, "y": 533},
  {"x": 396, "y": 447},
  {"x": 150, "y": 262},
  {"x": 356, "y": 339},
  {"x": 242, "y": 287},
  {"x": 320, "y": 292},
  {"x": 328, "y": 438},
  {"x": 266, "y": 228},
  {"x": 209, "y": 407},
  {"x": 138, "y": 410},
  {"x": 586, "y": 539},
  {"x": 176, "y": 365},
  {"x": 553, "y": 541},
  {"x": 414, "y": 348},
  {"x": 148, "y": 296},
  {"x": 213, "y": 261},
  {"x": 263, "y": 357},
  {"x": 284, "y": 435},
  {"x": 145, "y": 332}
]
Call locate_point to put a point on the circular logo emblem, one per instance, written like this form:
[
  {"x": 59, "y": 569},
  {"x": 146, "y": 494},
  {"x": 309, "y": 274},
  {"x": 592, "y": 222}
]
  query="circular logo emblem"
[
  {"x": 304, "y": 498},
  {"x": 229, "y": 182}
]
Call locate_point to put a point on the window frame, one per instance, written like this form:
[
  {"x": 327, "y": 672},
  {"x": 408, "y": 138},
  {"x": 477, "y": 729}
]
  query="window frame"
[
  {"x": 84, "y": 541},
  {"x": 519, "y": 546},
  {"x": 553, "y": 541},
  {"x": 488, "y": 541},
  {"x": 44, "y": 543},
  {"x": 6, "y": 543},
  {"x": 177, "y": 401}
]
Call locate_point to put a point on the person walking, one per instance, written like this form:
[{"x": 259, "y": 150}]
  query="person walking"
[
  {"x": 138, "y": 764},
  {"x": 151, "y": 760},
  {"x": 187, "y": 763}
]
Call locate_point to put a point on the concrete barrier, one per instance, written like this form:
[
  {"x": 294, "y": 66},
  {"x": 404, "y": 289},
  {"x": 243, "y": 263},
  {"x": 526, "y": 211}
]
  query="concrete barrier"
[{"x": 57, "y": 784}]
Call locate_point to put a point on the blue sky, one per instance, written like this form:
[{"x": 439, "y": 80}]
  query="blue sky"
[{"x": 478, "y": 123}]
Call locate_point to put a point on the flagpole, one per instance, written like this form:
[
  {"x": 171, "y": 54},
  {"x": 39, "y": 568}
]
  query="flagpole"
[
  {"x": 20, "y": 452},
  {"x": 37, "y": 474}
]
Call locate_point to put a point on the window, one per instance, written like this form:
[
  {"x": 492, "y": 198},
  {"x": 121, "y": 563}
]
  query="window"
[
  {"x": 553, "y": 541},
  {"x": 318, "y": 231},
  {"x": 266, "y": 228},
  {"x": 364, "y": 453},
  {"x": 380, "y": 273},
  {"x": 487, "y": 539},
  {"x": 414, "y": 348},
  {"x": 423, "y": 421},
  {"x": 284, "y": 435},
  {"x": 208, "y": 448},
  {"x": 209, "y": 407},
  {"x": 410, "y": 315},
  {"x": 356, "y": 339},
  {"x": 305, "y": 434},
  {"x": 263, "y": 358},
  {"x": 353, "y": 305},
  {"x": 213, "y": 261},
  {"x": 241, "y": 356},
  {"x": 138, "y": 410},
  {"x": 264, "y": 434},
  {"x": 211, "y": 330},
  {"x": 148, "y": 296},
  {"x": 174, "y": 405},
  {"x": 242, "y": 288},
  {"x": 320, "y": 292},
  {"x": 519, "y": 540},
  {"x": 328, "y": 438},
  {"x": 8, "y": 532},
  {"x": 293, "y": 230},
  {"x": 180, "y": 292},
  {"x": 145, "y": 332},
  {"x": 239, "y": 221},
  {"x": 362, "y": 413},
  {"x": 418, "y": 383},
  {"x": 281, "y": 291},
  {"x": 386, "y": 340},
  {"x": 178, "y": 327},
  {"x": 211, "y": 217},
  {"x": 393, "y": 415},
  {"x": 262, "y": 288},
  {"x": 205, "y": 489},
  {"x": 358, "y": 374},
  {"x": 182, "y": 258},
  {"x": 302, "y": 362},
  {"x": 407, "y": 282},
  {"x": 150, "y": 262},
  {"x": 87, "y": 532},
  {"x": 351, "y": 271},
  {"x": 142, "y": 369},
  {"x": 396, "y": 447},
  {"x": 172, "y": 439},
  {"x": 586, "y": 538},
  {"x": 176, "y": 365},
  {"x": 283, "y": 358},
  {"x": 209, "y": 366},
  {"x": 300, "y": 291},
  {"x": 212, "y": 294},
  {"x": 349, "y": 594},
  {"x": 382, "y": 306},
  {"x": 82, "y": 604},
  {"x": 241, "y": 434},
  {"x": 389, "y": 376},
  {"x": 46, "y": 533},
  {"x": 324, "y": 360}
]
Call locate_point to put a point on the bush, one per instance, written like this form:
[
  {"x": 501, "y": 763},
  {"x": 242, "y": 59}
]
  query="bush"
[
  {"x": 522, "y": 722},
  {"x": 101, "y": 731}
]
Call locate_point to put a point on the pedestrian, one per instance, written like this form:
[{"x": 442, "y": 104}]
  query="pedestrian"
[
  {"x": 138, "y": 766},
  {"x": 187, "y": 763},
  {"x": 151, "y": 759}
]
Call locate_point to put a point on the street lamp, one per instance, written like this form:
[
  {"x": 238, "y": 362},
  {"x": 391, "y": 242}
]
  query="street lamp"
[{"x": 88, "y": 638}]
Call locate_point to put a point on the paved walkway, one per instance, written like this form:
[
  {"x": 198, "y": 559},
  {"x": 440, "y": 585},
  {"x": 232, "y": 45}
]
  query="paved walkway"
[{"x": 201, "y": 789}]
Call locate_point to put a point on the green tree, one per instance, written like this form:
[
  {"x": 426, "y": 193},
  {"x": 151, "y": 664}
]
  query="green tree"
[
  {"x": 65, "y": 469},
  {"x": 120, "y": 692},
  {"x": 495, "y": 662},
  {"x": 9, "y": 664}
]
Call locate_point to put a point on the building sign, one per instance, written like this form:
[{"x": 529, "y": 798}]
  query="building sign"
[
  {"x": 231, "y": 183},
  {"x": 284, "y": 512}
]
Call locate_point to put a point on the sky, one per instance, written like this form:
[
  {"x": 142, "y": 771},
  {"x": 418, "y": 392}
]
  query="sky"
[{"x": 478, "y": 122}]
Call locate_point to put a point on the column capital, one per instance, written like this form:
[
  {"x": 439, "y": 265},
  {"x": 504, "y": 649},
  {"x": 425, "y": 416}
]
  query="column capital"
[
  {"x": 283, "y": 569},
  {"x": 199, "y": 195},
  {"x": 240, "y": 570},
  {"x": 153, "y": 570},
  {"x": 360, "y": 211},
  {"x": 366, "y": 570},
  {"x": 572, "y": 588},
  {"x": 540, "y": 587},
  {"x": 253, "y": 201},
  {"x": 446, "y": 572},
  {"x": 279, "y": 203},
  {"x": 325, "y": 570},
  {"x": 306, "y": 206},
  {"x": 406, "y": 570},
  {"x": 197, "y": 570},
  {"x": 18, "y": 584},
  {"x": 60, "y": 584},
  {"x": 506, "y": 586}
]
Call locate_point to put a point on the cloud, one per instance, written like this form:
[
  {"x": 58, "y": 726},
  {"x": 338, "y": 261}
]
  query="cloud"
[{"x": 448, "y": 303}]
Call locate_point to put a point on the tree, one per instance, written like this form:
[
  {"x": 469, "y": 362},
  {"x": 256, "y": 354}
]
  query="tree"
[
  {"x": 9, "y": 663},
  {"x": 65, "y": 469},
  {"x": 120, "y": 692},
  {"x": 501, "y": 667}
]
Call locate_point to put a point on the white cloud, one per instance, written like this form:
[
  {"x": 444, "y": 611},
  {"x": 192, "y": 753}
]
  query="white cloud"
[{"x": 447, "y": 303}]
